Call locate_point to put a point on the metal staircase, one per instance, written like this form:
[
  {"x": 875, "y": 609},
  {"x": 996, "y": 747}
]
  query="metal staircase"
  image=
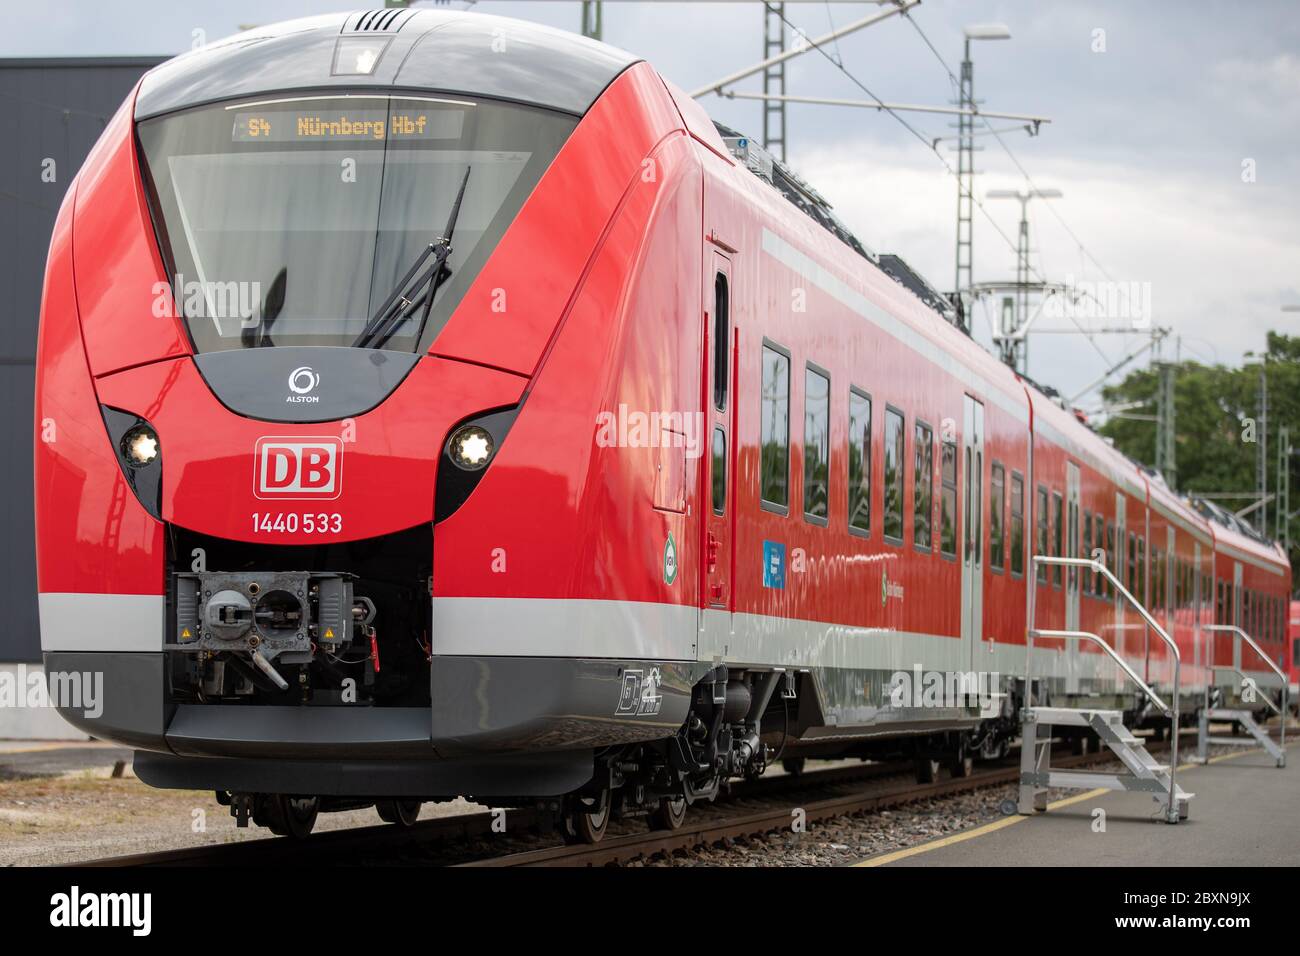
[
  {"x": 1144, "y": 775},
  {"x": 1258, "y": 735}
]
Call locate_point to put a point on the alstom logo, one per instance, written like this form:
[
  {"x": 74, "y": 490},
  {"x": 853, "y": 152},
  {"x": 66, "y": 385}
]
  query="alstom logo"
[{"x": 298, "y": 467}]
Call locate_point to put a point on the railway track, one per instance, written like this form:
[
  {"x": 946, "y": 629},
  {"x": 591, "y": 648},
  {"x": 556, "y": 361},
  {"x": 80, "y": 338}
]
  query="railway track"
[
  {"x": 469, "y": 840},
  {"x": 416, "y": 843},
  {"x": 706, "y": 832}
]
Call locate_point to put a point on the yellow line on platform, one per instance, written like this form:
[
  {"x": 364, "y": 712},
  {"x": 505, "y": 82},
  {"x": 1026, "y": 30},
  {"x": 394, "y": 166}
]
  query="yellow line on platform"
[
  {"x": 1009, "y": 821},
  {"x": 971, "y": 834}
]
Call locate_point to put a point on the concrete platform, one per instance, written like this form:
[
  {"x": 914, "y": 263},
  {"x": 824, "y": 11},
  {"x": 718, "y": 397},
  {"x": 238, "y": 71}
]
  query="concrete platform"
[{"x": 1243, "y": 814}]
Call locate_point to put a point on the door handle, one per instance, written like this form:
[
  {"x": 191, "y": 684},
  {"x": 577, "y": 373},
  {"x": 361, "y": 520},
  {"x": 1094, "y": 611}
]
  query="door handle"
[{"x": 712, "y": 553}]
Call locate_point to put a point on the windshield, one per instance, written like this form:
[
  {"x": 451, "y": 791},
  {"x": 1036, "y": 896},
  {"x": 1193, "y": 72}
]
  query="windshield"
[{"x": 291, "y": 221}]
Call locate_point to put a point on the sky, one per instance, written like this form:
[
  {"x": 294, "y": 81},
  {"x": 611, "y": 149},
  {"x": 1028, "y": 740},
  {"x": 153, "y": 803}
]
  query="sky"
[{"x": 1174, "y": 139}]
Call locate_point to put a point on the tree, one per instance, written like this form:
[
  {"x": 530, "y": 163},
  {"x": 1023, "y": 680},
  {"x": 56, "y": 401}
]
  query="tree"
[{"x": 1216, "y": 407}]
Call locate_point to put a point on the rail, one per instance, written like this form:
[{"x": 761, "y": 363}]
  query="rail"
[
  {"x": 1171, "y": 711},
  {"x": 1233, "y": 629}
]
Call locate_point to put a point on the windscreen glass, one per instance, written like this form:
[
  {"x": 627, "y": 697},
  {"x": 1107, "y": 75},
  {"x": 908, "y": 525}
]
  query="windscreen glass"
[{"x": 294, "y": 221}]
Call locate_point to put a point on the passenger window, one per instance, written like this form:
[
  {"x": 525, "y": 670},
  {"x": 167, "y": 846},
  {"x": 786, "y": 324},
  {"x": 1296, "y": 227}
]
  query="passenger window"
[
  {"x": 1040, "y": 545},
  {"x": 1056, "y": 537},
  {"x": 859, "y": 461},
  {"x": 997, "y": 501},
  {"x": 1017, "y": 525},
  {"x": 719, "y": 471},
  {"x": 774, "y": 457},
  {"x": 1130, "y": 577},
  {"x": 721, "y": 335},
  {"x": 894, "y": 476},
  {"x": 1155, "y": 579},
  {"x": 948, "y": 500},
  {"x": 816, "y": 444},
  {"x": 1087, "y": 550},
  {"x": 923, "y": 487},
  {"x": 1110, "y": 559},
  {"x": 1141, "y": 594}
]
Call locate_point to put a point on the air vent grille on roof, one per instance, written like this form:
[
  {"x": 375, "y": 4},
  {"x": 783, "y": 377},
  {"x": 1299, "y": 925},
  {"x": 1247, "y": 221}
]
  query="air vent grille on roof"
[{"x": 376, "y": 21}]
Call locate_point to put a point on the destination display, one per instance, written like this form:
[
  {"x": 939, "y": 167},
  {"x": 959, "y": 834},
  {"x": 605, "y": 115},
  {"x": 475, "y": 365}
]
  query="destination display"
[{"x": 326, "y": 125}]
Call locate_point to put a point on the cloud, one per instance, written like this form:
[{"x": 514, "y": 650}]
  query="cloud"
[{"x": 1220, "y": 255}]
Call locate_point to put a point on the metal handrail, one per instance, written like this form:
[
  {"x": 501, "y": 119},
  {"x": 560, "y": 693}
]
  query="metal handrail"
[
  {"x": 1089, "y": 636},
  {"x": 1101, "y": 569},
  {"x": 1232, "y": 628}
]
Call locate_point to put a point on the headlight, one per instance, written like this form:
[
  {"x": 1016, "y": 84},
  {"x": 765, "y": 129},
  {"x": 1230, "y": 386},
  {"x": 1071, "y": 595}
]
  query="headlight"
[
  {"x": 470, "y": 447},
  {"x": 140, "y": 446}
]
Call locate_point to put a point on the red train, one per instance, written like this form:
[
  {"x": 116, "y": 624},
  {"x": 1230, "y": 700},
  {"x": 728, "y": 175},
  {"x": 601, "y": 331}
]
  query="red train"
[{"x": 432, "y": 404}]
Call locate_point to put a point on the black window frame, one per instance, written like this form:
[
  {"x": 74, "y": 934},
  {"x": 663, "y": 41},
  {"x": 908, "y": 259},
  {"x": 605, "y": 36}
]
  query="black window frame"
[
  {"x": 1042, "y": 531},
  {"x": 917, "y": 427},
  {"x": 948, "y": 492},
  {"x": 901, "y": 477},
  {"x": 1057, "y": 535},
  {"x": 822, "y": 521},
  {"x": 721, "y": 338},
  {"x": 997, "y": 516},
  {"x": 765, "y": 503},
  {"x": 719, "y": 475},
  {"x": 1017, "y": 497},
  {"x": 1085, "y": 586},
  {"x": 865, "y": 460}
]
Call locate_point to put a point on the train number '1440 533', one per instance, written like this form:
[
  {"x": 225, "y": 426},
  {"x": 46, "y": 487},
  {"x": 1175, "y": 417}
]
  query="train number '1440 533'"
[{"x": 291, "y": 522}]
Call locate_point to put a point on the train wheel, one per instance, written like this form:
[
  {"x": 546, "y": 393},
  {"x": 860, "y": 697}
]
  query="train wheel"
[
  {"x": 586, "y": 822},
  {"x": 669, "y": 815},
  {"x": 404, "y": 813},
  {"x": 927, "y": 770},
  {"x": 962, "y": 763},
  {"x": 288, "y": 816},
  {"x": 793, "y": 765}
]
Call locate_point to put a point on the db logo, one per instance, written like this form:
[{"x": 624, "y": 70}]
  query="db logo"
[{"x": 298, "y": 467}]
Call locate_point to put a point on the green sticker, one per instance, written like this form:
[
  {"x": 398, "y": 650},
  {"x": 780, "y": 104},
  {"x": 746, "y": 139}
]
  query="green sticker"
[
  {"x": 884, "y": 587},
  {"x": 670, "y": 560}
]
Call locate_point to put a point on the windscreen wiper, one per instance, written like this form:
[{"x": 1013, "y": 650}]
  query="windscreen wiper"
[{"x": 407, "y": 296}]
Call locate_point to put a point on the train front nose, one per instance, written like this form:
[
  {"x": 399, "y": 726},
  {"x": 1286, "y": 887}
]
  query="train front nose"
[{"x": 259, "y": 595}]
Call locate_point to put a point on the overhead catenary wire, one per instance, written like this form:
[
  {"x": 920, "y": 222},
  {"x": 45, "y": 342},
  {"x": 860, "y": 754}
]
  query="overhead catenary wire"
[
  {"x": 930, "y": 144},
  {"x": 1029, "y": 181},
  {"x": 997, "y": 134}
]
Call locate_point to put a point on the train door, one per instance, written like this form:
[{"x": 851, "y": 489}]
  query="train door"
[
  {"x": 718, "y": 457},
  {"x": 1072, "y": 545},
  {"x": 972, "y": 517}
]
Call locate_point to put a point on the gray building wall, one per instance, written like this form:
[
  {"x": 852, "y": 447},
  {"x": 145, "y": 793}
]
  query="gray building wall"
[{"x": 49, "y": 109}]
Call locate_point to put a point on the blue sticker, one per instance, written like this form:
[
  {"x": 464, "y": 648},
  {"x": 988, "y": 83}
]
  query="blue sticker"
[{"x": 773, "y": 564}]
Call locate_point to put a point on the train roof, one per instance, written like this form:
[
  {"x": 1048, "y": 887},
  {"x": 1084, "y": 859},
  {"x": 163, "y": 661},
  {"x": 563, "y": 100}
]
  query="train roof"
[
  {"x": 1234, "y": 537},
  {"x": 445, "y": 50}
]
